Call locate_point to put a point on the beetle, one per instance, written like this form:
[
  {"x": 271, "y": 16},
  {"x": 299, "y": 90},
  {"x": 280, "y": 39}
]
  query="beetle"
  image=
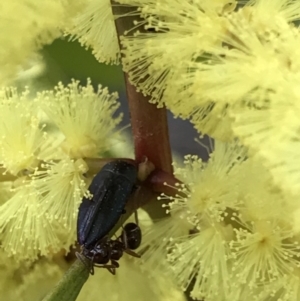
[
  {"x": 110, "y": 190},
  {"x": 107, "y": 251}
]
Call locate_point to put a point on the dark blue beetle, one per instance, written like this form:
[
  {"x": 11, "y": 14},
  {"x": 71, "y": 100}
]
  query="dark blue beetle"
[{"x": 110, "y": 189}]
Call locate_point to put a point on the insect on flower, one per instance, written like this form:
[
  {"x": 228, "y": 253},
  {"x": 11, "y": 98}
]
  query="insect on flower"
[{"x": 110, "y": 189}]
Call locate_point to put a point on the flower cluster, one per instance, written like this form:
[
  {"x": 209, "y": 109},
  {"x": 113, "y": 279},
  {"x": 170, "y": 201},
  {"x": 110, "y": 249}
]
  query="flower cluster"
[
  {"x": 95, "y": 28},
  {"x": 232, "y": 72},
  {"x": 43, "y": 143},
  {"x": 231, "y": 68},
  {"x": 32, "y": 24},
  {"x": 230, "y": 233}
]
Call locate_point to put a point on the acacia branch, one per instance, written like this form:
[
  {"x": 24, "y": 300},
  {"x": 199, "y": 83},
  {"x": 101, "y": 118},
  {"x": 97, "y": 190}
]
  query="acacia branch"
[{"x": 149, "y": 124}]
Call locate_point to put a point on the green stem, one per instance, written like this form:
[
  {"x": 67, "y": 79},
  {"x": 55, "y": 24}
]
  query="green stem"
[{"x": 68, "y": 288}]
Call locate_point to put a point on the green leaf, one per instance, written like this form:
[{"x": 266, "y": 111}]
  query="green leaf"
[{"x": 68, "y": 288}]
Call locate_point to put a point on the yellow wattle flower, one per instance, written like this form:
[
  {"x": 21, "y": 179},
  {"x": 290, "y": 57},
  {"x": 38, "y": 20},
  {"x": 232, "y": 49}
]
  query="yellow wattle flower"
[
  {"x": 83, "y": 116},
  {"x": 43, "y": 160},
  {"x": 95, "y": 28},
  {"x": 240, "y": 238},
  {"x": 21, "y": 131},
  {"x": 31, "y": 28}
]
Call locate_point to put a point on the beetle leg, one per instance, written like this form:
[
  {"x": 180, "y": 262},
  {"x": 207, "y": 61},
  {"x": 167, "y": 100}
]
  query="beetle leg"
[
  {"x": 124, "y": 239},
  {"x": 112, "y": 270},
  {"x": 92, "y": 271},
  {"x": 110, "y": 267},
  {"x": 83, "y": 259},
  {"x": 104, "y": 266},
  {"x": 115, "y": 263},
  {"x": 136, "y": 217},
  {"x": 131, "y": 253}
]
